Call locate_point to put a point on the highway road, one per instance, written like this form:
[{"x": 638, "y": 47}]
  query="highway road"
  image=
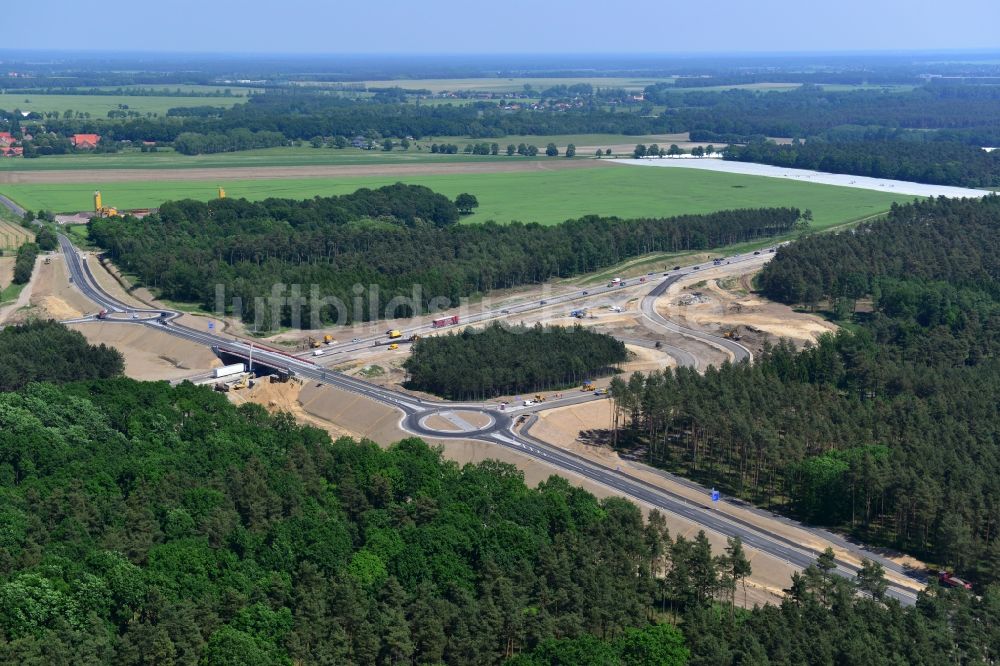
[
  {"x": 499, "y": 431},
  {"x": 11, "y": 206},
  {"x": 568, "y": 297}
]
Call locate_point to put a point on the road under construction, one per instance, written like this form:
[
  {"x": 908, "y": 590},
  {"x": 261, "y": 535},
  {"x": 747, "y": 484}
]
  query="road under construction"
[{"x": 500, "y": 427}]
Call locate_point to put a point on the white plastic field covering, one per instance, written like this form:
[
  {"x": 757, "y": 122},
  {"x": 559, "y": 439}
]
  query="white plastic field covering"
[{"x": 806, "y": 176}]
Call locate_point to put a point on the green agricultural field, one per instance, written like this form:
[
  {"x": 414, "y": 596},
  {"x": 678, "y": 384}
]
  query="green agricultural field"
[
  {"x": 166, "y": 158},
  {"x": 547, "y": 197},
  {"x": 419, "y": 153},
  {"x": 99, "y": 105}
]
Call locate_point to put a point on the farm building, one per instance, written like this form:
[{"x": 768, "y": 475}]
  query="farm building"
[{"x": 85, "y": 141}]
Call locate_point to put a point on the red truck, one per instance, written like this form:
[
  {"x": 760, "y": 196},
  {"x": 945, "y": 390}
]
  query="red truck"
[
  {"x": 103, "y": 314},
  {"x": 445, "y": 321},
  {"x": 948, "y": 580}
]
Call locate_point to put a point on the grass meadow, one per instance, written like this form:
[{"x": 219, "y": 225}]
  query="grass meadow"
[
  {"x": 99, "y": 105},
  {"x": 546, "y": 197}
]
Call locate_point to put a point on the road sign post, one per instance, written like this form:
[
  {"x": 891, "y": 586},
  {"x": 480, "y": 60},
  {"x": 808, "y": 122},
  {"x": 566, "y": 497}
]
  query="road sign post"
[{"x": 715, "y": 495}]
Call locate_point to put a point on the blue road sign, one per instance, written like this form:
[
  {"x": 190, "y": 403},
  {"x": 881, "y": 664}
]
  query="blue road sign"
[
  {"x": 211, "y": 325},
  {"x": 715, "y": 495}
]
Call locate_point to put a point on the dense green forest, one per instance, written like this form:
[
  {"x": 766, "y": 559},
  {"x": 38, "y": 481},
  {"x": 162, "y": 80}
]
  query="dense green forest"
[
  {"x": 888, "y": 428},
  {"x": 394, "y": 238},
  {"x": 967, "y": 113},
  {"x": 148, "y": 524},
  {"x": 48, "y": 351},
  {"x": 938, "y": 163},
  {"x": 504, "y": 360}
]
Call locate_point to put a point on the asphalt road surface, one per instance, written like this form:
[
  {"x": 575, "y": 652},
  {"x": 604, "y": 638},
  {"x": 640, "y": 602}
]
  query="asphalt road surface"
[{"x": 500, "y": 430}]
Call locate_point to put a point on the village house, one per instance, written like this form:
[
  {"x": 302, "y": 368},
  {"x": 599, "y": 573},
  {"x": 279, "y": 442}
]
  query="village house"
[{"x": 85, "y": 141}]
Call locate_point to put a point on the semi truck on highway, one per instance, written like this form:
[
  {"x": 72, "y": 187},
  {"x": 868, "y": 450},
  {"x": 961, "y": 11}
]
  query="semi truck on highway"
[
  {"x": 228, "y": 370},
  {"x": 445, "y": 321}
]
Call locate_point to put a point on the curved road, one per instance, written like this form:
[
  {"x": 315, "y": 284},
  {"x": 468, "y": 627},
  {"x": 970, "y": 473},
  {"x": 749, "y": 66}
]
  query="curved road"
[{"x": 500, "y": 430}]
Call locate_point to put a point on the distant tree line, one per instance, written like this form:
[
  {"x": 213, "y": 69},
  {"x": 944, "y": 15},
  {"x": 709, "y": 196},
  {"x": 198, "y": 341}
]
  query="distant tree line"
[
  {"x": 24, "y": 263},
  {"x": 886, "y": 429},
  {"x": 192, "y": 143},
  {"x": 477, "y": 365},
  {"x": 394, "y": 238},
  {"x": 938, "y": 163},
  {"x": 953, "y": 110}
]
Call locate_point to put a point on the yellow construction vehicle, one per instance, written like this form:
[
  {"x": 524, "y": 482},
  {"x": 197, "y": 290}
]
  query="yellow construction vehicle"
[
  {"x": 588, "y": 386},
  {"x": 242, "y": 382},
  {"x": 328, "y": 339},
  {"x": 393, "y": 347},
  {"x": 394, "y": 333},
  {"x": 539, "y": 397},
  {"x": 732, "y": 334},
  {"x": 100, "y": 209}
]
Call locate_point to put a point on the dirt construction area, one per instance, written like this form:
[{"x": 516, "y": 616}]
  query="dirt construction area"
[
  {"x": 258, "y": 173},
  {"x": 52, "y": 295},
  {"x": 722, "y": 300},
  {"x": 149, "y": 354},
  {"x": 6, "y": 271}
]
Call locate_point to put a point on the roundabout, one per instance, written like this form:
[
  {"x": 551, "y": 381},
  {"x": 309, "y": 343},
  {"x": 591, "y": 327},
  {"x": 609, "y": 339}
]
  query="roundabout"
[{"x": 456, "y": 423}]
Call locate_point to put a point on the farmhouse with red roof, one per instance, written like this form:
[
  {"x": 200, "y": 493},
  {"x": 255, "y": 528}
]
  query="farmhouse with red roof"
[{"x": 85, "y": 141}]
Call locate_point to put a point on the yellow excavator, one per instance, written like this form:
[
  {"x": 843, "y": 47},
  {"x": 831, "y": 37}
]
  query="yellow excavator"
[
  {"x": 588, "y": 386},
  {"x": 732, "y": 334}
]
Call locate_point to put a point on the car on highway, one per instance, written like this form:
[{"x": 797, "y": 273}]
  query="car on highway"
[
  {"x": 756, "y": 251},
  {"x": 585, "y": 293},
  {"x": 505, "y": 312},
  {"x": 696, "y": 268},
  {"x": 676, "y": 268},
  {"x": 542, "y": 302}
]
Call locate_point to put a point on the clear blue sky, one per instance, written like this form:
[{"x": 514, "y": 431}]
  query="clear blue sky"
[{"x": 506, "y": 26}]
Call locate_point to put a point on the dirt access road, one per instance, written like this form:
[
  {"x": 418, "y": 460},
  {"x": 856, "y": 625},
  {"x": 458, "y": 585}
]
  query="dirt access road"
[{"x": 260, "y": 173}]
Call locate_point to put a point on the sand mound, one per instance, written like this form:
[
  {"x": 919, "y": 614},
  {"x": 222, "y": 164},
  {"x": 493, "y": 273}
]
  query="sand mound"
[{"x": 150, "y": 354}]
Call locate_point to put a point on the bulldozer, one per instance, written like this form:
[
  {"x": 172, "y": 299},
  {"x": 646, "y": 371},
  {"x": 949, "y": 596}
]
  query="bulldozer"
[
  {"x": 732, "y": 334},
  {"x": 241, "y": 383},
  {"x": 588, "y": 386},
  {"x": 539, "y": 397}
]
